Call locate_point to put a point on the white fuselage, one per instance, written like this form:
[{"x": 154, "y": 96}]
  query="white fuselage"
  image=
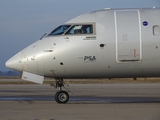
[{"x": 123, "y": 43}]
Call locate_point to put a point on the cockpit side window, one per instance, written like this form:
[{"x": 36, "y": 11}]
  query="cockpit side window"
[
  {"x": 80, "y": 29},
  {"x": 60, "y": 30}
]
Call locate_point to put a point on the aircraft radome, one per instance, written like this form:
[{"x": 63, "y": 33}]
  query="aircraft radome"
[{"x": 108, "y": 43}]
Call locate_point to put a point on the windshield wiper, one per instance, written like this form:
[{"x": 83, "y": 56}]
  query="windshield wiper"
[{"x": 43, "y": 36}]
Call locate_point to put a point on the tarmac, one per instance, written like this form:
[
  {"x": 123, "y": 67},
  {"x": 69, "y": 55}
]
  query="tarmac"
[{"x": 117, "y": 101}]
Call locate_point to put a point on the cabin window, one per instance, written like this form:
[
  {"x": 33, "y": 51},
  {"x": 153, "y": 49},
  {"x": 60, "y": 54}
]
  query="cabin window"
[
  {"x": 156, "y": 30},
  {"x": 60, "y": 30},
  {"x": 80, "y": 29}
]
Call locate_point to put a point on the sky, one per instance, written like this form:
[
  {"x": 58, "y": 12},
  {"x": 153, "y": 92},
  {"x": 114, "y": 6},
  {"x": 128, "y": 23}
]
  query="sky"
[{"x": 23, "y": 22}]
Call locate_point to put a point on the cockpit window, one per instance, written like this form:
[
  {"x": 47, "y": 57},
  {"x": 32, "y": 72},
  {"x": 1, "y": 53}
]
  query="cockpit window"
[
  {"x": 80, "y": 29},
  {"x": 60, "y": 30}
]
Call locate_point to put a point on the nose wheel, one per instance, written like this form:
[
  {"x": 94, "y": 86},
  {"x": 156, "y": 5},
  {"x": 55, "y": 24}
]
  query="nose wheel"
[{"x": 61, "y": 96}]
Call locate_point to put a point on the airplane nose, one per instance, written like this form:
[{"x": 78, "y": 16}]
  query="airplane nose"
[{"x": 15, "y": 62}]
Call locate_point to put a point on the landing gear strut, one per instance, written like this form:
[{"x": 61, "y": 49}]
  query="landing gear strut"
[{"x": 61, "y": 96}]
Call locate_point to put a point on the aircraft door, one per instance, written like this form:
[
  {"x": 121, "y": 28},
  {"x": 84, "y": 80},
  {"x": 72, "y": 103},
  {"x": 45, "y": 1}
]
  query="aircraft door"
[{"x": 128, "y": 36}]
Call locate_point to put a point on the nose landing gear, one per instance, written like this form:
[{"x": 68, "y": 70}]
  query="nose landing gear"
[{"x": 61, "y": 96}]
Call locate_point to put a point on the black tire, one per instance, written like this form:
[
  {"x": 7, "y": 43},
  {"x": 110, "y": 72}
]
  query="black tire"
[
  {"x": 56, "y": 97},
  {"x": 61, "y": 97}
]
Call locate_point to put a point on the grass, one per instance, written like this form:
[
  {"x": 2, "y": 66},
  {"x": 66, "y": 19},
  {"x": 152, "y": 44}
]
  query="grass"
[{"x": 17, "y": 80}]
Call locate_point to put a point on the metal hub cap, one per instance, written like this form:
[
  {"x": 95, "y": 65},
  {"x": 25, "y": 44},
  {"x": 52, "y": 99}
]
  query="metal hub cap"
[{"x": 62, "y": 97}]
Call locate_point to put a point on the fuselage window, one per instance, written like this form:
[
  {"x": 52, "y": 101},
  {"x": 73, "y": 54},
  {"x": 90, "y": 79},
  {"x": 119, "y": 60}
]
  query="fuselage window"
[
  {"x": 156, "y": 30},
  {"x": 80, "y": 29},
  {"x": 60, "y": 30}
]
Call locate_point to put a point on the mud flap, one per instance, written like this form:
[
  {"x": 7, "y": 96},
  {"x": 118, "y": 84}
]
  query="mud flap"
[{"x": 32, "y": 77}]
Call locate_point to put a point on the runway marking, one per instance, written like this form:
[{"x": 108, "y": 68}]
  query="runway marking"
[{"x": 89, "y": 99}]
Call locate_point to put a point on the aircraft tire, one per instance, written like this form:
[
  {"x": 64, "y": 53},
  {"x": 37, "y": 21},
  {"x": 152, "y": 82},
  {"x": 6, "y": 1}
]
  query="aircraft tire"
[
  {"x": 61, "y": 97},
  {"x": 56, "y": 98}
]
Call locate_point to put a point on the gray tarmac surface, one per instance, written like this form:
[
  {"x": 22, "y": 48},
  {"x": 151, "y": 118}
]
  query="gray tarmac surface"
[{"x": 118, "y": 101}]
